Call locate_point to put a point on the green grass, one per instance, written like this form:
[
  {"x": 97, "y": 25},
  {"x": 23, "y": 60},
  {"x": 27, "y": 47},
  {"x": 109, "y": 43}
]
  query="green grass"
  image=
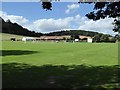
[
  {"x": 60, "y": 65},
  {"x": 60, "y": 53},
  {"x": 7, "y": 37}
]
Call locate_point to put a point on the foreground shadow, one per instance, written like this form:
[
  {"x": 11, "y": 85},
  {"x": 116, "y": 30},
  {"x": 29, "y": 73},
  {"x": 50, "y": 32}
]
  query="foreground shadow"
[
  {"x": 16, "y": 52},
  {"x": 16, "y": 75}
]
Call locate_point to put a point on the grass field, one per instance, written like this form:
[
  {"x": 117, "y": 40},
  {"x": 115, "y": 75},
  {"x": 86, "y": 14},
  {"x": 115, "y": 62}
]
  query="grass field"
[
  {"x": 47, "y": 64},
  {"x": 8, "y": 36},
  {"x": 60, "y": 53}
]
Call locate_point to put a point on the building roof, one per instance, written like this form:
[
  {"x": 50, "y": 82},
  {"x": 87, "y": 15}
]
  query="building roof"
[
  {"x": 84, "y": 37},
  {"x": 60, "y": 37},
  {"x": 52, "y": 37}
]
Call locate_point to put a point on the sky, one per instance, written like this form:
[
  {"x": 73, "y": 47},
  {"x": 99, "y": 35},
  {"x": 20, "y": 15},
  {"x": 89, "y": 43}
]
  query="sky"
[{"x": 64, "y": 16}]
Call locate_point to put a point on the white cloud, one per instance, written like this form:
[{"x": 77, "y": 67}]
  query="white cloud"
[
  {"x": 102, "y": 25},
  {"x": 71, "y": 7},
  {"x": 14, "y": 18},
  {"x": 46, "y": 25},
  {"x": 50, "y": 25}
]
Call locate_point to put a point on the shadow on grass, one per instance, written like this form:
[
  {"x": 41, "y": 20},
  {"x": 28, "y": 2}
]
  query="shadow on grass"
[
  {"x": 15, "y": 52},
  {"x": 16, "y": 75}
]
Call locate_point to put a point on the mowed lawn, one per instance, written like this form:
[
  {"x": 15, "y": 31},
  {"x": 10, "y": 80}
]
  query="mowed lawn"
[
  {"x": 41, "y": 53},
  {"x": 60, "y": 65}
]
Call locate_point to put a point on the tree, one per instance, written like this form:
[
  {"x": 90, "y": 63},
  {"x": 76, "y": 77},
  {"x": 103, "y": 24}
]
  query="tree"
[
  {"x": 107, "y": 9},
  {"x": 8, "y": 21},
  {"x": 104, "y": 38},
  {"x": 112, "y": 39},
  {"x": 47, "y": 5},
  {"x": 96, "y": 38},
  {"x": 116, "y": 25},
  {"x": 73, "y": 37},
  {"x": 14, "y": 28},
  {"x": 117, "y": 37},
  {"x": 100, "y": 10}
]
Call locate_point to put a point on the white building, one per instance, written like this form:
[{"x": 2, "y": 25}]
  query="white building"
[
  {"x": 28, "y": 39},
  {"x": 89, "y": 40},
  {"x": 76, "y": 40}
]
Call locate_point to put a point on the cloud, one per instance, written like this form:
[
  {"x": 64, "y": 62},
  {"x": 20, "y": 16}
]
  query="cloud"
[
  {"x": 102, "y": 25},
  {"x": 71, "y": 8},
  {"x": 13, "y": 18},
  {"x": 47, "y": 25},
  {"x": 40, "y": 25},
  {"x": 67, "y": 23}
]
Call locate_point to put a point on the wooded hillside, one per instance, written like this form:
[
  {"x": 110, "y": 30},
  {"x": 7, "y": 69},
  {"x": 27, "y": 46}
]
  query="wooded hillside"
[{"x": 14, "y": 28}]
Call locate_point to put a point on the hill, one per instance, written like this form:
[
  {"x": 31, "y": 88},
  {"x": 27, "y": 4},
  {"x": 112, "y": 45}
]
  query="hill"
[
  {"x": 14, "y": 28},
  {"x": 6, "y": 36},
  {"x": 73, "y": 32}
]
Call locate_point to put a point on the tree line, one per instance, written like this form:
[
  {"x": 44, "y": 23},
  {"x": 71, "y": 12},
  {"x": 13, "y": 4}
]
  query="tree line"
[
  {"x": 72, "y": 32},
  {"x": 14, "y": 28},
  {"x": 101, "y": 10}
]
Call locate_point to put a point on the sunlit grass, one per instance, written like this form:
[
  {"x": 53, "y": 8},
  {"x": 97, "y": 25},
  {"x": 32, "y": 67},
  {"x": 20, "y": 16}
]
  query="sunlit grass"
[{"x": 40, "y": 53}]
